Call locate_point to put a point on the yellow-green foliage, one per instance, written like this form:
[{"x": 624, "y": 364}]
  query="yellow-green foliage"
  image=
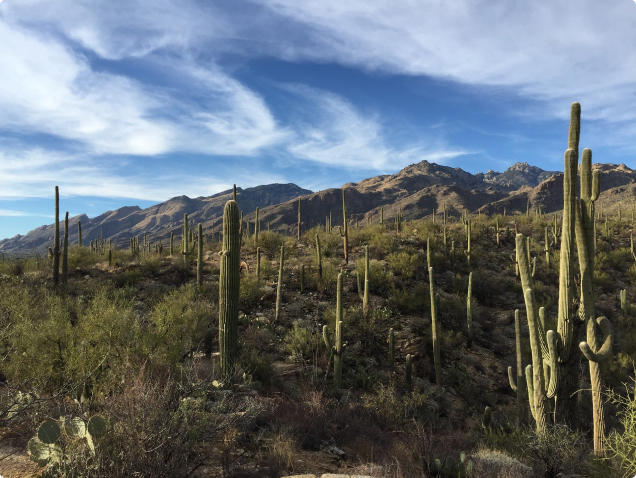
[
  {"x": 251, "y": 289},
  {"x": 177, "y": 324},
  {"x": 405, "y": 263},
  {"x": 380, "y": 278},
  {"x": 394, "y": 411},
  {"x": 270, "y": 243},
  {"x": 301, "y": 341},
  {"x": 623, "y": 444},
  {"x": 56, "y": 341}
]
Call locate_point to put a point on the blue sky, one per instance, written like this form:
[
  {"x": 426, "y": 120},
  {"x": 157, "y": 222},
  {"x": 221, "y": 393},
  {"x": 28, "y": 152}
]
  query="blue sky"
[{"x": 134, "y": 102}]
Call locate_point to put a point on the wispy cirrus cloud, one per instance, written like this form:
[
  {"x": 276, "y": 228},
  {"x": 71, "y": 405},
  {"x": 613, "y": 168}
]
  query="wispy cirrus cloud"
[{"x": 332, "y": 132}]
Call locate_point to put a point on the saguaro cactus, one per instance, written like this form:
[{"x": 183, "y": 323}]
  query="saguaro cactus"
[
  {"x": 279, "y": 289},
  {"x": 469, "y": 311},
  {"x": 200, "y": 255},
  {"x": 298, "y": 227},
  {"x": 436, "y": 331},
  {"x": 65, "y": 251},
  {"x": 337, "y": 350},
  {"x": 365, "y": 298},
  {"x": 229, "y": 283},
  {"x": 56, "y": 239},
  {"x": 345, "y": 229},
  {"x": 593, "y": 350},
  {"x": 185, "y": 251},
  {"x": 519, "y": 385},
  {"x": 319, "y": 252}
]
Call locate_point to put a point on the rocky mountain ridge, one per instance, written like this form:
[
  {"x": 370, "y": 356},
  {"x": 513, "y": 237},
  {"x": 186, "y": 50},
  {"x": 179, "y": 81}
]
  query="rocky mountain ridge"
[{"x": 417, "y": 191}]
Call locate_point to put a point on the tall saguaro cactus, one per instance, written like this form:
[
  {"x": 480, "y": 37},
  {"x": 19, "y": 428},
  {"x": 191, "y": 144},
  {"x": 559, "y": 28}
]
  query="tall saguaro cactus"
[
  {"x": 345, "y": 229},
  {"x": 279, "y": 289},
  {"x": 200, "y": 255},
  {"x": 229, "y": 283},
  {"x": 594, "y": 351},
  {"x": 186, "y": 252},
  {"x": 436, "y": 331},
  {"x": 519, "y": 385},
  {"x": 65, "y": 251},
  {"x": 56, "y": 239},
  {"x": 299, "y": 223}
]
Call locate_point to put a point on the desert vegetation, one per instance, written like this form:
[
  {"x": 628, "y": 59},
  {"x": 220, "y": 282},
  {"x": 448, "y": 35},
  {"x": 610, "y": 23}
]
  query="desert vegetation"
[{"x": 457, "y": 344}]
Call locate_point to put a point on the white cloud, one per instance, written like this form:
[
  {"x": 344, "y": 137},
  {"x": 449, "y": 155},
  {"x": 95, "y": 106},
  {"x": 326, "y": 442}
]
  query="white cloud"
[
  {"x": 34, "y": 174},
  {"x": 14, "y": 213},
  {"x": 555, "y": 51},
  {"x": 331, "y": 131},
  {"x": 54, "y": 89}
]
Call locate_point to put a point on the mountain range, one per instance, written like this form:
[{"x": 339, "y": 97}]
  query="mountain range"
[{"x": 417, "y": 190}]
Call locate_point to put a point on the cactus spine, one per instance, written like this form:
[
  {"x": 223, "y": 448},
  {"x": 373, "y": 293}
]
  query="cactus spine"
[
  {"x": 229, "y": 283},
  {"x": 519, "y": 386},
  {"x": 200, "y": 255},
  {"x": 436, "y": 331},
  {"x": 279, "y": 289},
  {"x": 469, "y": 311},
  {"x": 79, "y": 233},
  {"x": 56, "y": 239}
]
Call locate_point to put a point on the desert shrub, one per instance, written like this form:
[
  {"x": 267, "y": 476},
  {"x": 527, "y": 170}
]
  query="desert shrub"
[
  {"x": 405, "y": 263},
  {"x": 251, "y": 289},
  {"x": 177, "y": 324},
  {"x": 496, "y": 464},
  {"x": 394, "y": 411},
  {"x": 270, "y": 243},
  {"x": 301, "y": 341},
  {"x": 380, "y": 279},
  {"x": 127, "y": 278},
  {"x": 623, "y": 444},
  {"x": 381, "y": 244},
  {"x": 413, "y": 299}
]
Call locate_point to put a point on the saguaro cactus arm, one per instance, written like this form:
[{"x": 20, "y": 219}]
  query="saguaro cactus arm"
[{"x": 605, "y": 351}]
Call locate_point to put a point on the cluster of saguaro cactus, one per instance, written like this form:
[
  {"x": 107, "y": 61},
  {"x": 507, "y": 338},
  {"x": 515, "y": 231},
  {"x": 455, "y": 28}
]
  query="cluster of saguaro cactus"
[
  {"x": 554, "y": 371},
  {"x": 229, "y": 283},
  {"x": 337, "y": 350}
]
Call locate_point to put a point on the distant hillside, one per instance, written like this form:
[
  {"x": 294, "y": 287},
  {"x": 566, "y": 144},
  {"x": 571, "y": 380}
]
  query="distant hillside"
[{"x": 417, "y": 190}]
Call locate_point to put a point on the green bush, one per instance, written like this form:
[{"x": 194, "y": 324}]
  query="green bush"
[
  {"x": 301, "y": 341},
  {"x": 251, "y": 289},
  {"x": 623, "y": 444},
  {"x": 405, "y": 263},
  {"x": 393, "y": 411},
  {"x": 380, "y": 279}
]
